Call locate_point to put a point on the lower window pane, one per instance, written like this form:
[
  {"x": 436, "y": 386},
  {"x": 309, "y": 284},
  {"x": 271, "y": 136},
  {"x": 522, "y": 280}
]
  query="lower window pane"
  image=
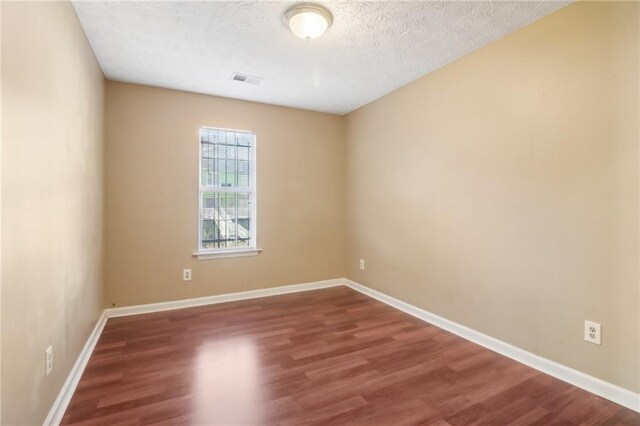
[{"x": 225, "y": 220}]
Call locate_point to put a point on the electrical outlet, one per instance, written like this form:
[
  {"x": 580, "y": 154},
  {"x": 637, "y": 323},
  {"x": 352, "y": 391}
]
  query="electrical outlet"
[
  {"x": 48, "y": 358},
  {"x": 186, "y": 275},
  {"x": 592, "y": 332},
  {"x": 362, "y": 264}
]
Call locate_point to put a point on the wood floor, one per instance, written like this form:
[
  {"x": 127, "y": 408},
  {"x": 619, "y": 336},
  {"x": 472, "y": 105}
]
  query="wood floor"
[{"x": 330, "y": 357}]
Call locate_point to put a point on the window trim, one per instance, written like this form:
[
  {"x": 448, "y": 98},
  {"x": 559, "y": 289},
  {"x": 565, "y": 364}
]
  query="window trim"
[
  {"x": 252, "y": 249},
  {"x": 244, "y": 252}
]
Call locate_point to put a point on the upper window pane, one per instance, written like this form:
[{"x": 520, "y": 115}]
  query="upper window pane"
[{"x": 225, "y": 157}]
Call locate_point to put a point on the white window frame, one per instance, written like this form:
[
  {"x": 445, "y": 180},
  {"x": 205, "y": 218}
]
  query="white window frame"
[{"x": 252, "y": 249}]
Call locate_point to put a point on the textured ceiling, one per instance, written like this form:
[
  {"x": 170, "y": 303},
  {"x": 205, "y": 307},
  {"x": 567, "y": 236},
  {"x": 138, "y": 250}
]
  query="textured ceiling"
[{"x": 371, "y": 49}]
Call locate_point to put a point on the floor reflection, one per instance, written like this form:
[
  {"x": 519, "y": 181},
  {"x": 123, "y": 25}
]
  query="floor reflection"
[{"x": 227, "y": 383}]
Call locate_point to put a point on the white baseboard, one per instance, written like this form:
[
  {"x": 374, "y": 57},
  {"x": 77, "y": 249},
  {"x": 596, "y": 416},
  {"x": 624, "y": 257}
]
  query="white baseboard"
[
  {"x": 589, "y": 383},
  {"x": 221, "y": 298},
  {"x": 64, "y": 397}
]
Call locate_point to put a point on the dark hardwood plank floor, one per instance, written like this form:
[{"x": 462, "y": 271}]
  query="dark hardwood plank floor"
[{"x": 329, "y": 357}]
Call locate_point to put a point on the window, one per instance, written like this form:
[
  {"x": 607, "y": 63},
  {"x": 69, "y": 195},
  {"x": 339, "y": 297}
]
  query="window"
[{"x": 227, "y": 224}]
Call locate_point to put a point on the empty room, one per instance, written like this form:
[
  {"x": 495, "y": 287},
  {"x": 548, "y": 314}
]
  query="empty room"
[{"x": 333, "y": 213}]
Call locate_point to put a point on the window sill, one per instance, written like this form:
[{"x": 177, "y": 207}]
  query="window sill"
[{"x": 204, "y": 255}]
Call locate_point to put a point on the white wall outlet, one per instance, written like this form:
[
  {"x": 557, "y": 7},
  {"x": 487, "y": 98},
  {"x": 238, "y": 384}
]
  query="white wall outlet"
[
  {"x": 48, "y": 358},
  {"x": 186, "y": 275},
  {"x": 592, "y": 332},
  {"x": 362, "y": 264}
]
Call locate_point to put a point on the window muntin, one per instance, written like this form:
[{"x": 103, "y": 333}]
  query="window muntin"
[{"x": 227, "y": 190}]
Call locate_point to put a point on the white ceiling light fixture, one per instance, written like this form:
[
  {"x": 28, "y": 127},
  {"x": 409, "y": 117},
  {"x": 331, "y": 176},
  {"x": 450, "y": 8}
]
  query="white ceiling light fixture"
[{"x": 308, "y": 21}]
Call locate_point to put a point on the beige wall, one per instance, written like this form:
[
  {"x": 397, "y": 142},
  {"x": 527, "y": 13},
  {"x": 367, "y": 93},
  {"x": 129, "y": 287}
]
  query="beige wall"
[
  {"x": 0, "y": 212},
  {"x": 501, "y": 191},
  {"x": 52, "y": 201},
  {"x": 152, "y": 195}
]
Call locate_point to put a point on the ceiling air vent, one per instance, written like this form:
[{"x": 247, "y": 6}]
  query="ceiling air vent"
[{"x": 244, "y": 78}]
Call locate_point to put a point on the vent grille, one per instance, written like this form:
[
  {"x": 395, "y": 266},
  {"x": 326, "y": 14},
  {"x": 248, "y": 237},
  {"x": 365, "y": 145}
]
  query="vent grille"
[{"x": 244, "y": 78}]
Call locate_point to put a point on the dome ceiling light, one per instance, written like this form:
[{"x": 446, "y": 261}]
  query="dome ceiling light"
[{"x": 308, "y": 21}]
